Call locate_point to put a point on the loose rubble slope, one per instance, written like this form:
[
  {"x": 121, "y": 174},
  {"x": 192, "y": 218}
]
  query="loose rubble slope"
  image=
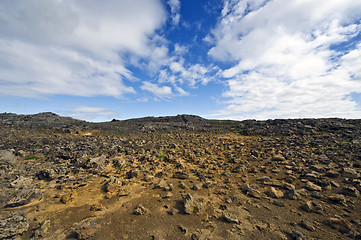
[{"x": 181, "y": 177}]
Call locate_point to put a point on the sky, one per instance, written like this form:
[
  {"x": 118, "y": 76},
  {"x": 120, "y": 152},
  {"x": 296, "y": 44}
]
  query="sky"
[{"x": 219, "y": 59}]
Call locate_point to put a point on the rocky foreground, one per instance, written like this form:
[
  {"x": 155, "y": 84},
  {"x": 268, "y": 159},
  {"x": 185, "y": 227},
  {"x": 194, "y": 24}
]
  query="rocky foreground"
[{"x": 180, "y": 177}]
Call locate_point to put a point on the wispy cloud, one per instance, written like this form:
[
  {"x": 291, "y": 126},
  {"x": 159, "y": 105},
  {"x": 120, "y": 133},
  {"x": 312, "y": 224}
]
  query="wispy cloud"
[
  {"x": 91, "y": 113},
  {"x": 287, "y": 60}
]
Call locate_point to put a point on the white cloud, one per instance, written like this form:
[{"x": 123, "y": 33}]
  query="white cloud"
[
  {"x": 160, "y": 92},
  {"x": 285, "y": 63},
  {"x": 175, "y": 6},
  {"x": 75, "y": 47},
  {"x": 91, "y": 113}
]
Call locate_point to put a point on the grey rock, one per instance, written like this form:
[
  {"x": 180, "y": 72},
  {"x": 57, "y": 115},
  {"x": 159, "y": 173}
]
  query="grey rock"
[
  {"x": 297, "y": 235},
  {"x": 24, "y": 197}
]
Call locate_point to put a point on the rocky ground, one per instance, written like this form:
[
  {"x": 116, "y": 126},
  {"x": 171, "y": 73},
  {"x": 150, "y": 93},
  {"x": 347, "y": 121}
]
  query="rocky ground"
[{"x": 180, "y": 177}]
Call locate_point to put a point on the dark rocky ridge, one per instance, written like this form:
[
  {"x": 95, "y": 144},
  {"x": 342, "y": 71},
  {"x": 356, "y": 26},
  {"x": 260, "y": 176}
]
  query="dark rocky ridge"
[{"x": 187, "y": 122}]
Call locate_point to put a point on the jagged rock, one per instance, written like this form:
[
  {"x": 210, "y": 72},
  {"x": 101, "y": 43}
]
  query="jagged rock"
[
  {"x": 292, "y": 194},
  {"x": 197, "y": 186},
  {"x": 86, "y": 229},
  {"x": 21, "y": 182},
  {"x": 42, "y": 230},
  {"x": 192, "y": 204},
  {"x": 342, "y": 224},
  {"x": 24, "y": 197},
  {"x": 274, "y": 193},
  {"x": 46, "y": 174},
  {"x": 13, "y": 226},
  {"x": 162, "y": 184},
  {"x": 311, "y": 206}
]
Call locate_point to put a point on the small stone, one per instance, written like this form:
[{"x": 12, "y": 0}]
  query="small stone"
[
  {"x": 162, "y": 184},
  {"x": 229, "y": 217},
  {"x": 292, "y": 194},
  {"x": 296, "y": 235},
  {"x": 337, "y": 198},
  {"x": 313, "y": 187},
  {"x": 173, "y": 211},
  {"x": 279, "y": 203},
  {"x": 254, "y": 193},
  {"x": 335, "y": 184},
  {"x": 350, "y": 191},
  {"x": 140, "y": 210},
  {"x": 96, "y": 207},
  {"x": 180, "y": 175},
  {"x": 316, "y": 195},
  {"x": 197, "y": 186},
  {"x": 168, "y": 195},
  {"x": 307, "y": 225},
  {"x": 208, "y": 184},
  {"x": 311, "y": 206},
  {"x": 275, "y": 193},
  {"x": 278, "y": 157},
  {"x": 182, "y": 185},
  {"x": 332, "y": 174},
  {"x": 350, "y": 173}
]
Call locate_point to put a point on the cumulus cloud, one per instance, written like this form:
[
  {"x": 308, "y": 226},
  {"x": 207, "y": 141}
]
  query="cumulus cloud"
[
  {"x": 160, "y": 92},
  {"x": 75, "y": 47},
  {"x": 288, "y": 58}
]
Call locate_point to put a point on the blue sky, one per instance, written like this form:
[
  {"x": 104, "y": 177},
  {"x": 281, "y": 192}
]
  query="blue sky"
[{"x": 226, "y": 59}]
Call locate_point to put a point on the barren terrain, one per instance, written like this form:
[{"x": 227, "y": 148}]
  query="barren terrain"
[{"x": 181, "y": 177}]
